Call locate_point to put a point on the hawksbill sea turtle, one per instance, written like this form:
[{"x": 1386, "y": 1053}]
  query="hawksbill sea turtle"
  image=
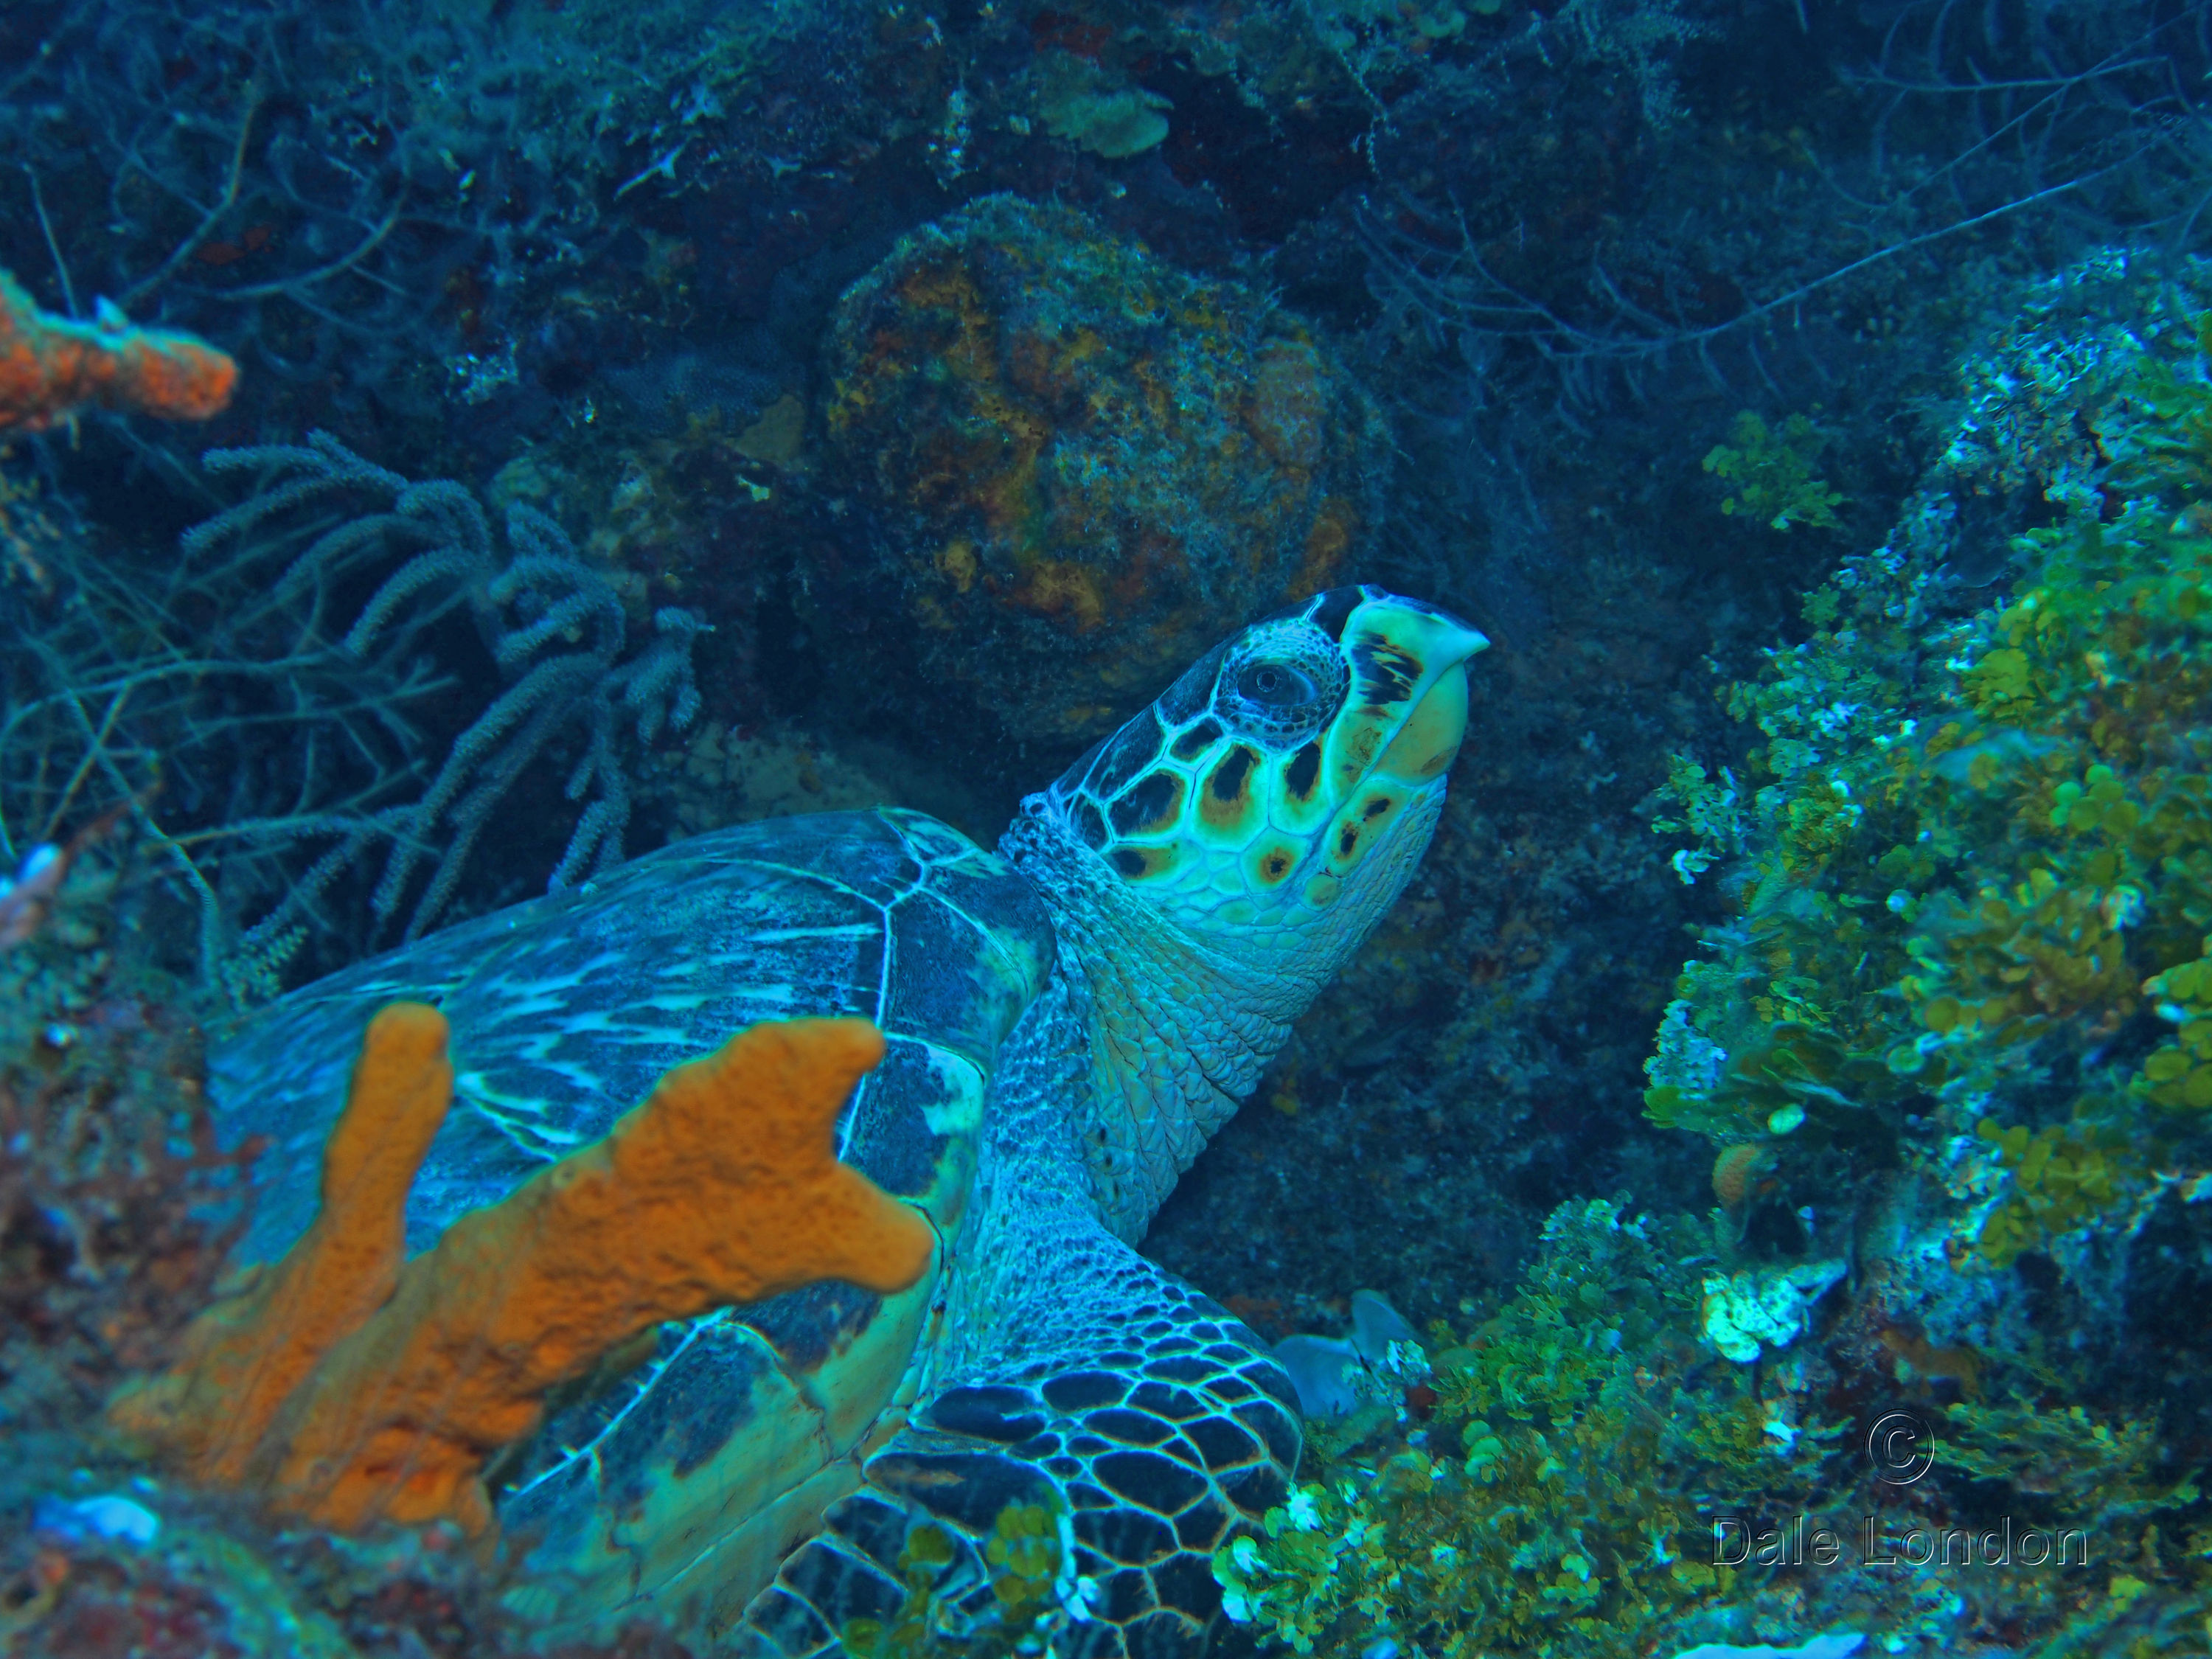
[{"x": 1069, "y": 1021}]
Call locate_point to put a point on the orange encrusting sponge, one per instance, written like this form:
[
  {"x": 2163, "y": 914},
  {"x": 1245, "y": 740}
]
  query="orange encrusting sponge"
[
  {"x": 51, "y": 368},
  {"x": 346, "y": 1388}
]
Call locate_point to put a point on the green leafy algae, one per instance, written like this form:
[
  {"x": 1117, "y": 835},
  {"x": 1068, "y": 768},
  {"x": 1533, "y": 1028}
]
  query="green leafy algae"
[
  {"x": 1771, "y": 469},
  {"x": 1551, "y": 1503},
  {"x": 1024, "y": 1566},
  {"x": 1963, "y": 995},
  {"x": 1982, "y": 850}
]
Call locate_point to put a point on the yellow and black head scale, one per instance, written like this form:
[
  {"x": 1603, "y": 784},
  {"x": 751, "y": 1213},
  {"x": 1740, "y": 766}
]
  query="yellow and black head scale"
[{"x": 1292, "y": 777}]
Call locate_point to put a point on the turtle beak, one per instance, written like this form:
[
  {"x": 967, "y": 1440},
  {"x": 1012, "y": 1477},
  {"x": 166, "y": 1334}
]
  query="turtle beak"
[
  {"x": 1427, "y": 742},
  {"x": 1407, "y": 710}
]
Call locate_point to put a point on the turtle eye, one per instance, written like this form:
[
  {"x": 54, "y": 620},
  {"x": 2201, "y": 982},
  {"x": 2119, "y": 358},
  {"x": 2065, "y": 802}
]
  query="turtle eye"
[{"x": 1275, "y": 685}]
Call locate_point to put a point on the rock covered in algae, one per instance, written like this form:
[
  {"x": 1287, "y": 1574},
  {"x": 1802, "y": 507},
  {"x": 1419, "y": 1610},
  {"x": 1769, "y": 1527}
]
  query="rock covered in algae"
[{"x": 1077, "y": 459}]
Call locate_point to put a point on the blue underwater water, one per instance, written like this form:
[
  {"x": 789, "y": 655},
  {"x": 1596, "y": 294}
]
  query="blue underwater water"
[{"x": 470, "y": 472}]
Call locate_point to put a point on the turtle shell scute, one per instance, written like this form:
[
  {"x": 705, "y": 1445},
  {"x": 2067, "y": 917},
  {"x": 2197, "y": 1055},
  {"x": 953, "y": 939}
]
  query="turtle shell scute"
[
  {"x": 1129, "y": 1428},
  {"x": 1079, "y": 1389},
  {"x": 987, "y": 1413},
  {"x": 1127, "y": 1537},
  {"x": 1150, "y": 1481}
]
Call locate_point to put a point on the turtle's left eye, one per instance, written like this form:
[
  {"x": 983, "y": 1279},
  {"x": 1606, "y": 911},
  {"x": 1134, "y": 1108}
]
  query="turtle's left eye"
[{"x": 1275, "y": 685}]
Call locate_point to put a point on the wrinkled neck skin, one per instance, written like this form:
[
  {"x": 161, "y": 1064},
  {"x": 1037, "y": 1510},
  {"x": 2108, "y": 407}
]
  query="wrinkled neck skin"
[{"x": 1180, "y": 1027}]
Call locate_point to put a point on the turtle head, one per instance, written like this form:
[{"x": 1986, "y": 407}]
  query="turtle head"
[
  {"x": 1282, "y": 791},
  {"x": 1267, "y": 808}
]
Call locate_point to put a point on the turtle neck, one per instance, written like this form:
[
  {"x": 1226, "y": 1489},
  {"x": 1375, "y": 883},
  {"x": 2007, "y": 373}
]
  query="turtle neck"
[{"x": 1180, "y": 1027}]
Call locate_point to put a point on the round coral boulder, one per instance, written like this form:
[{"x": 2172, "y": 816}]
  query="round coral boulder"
[{"x": 1085, "y": 463}]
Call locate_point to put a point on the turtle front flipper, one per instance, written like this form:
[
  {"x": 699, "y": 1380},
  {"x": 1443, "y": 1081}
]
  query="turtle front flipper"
[
  {"x": 1082, "y": 1398},
  {"x": 1130, "y": 1465}
]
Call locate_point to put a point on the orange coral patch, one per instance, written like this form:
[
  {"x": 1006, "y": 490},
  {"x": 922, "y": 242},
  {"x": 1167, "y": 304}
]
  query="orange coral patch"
[
  {"x": 1288, "y": 405},
  {"x": 1064, "y": 591},
  {"x": 51, "y": 368},
  {"x": 1961, "y": 1365},
  {"x": 1734, "y": 1171},
  {"x": 1327, "y": 540}
]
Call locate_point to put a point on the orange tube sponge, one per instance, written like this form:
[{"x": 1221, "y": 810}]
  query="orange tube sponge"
[
  {"x": 245, "y": 1355},
  {"x": 723, "y": 1186},
  {"x": 51, "y": 368}
]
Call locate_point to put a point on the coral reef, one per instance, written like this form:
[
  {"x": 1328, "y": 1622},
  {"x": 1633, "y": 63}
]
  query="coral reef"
[
  {"x": 374, "y": 210},
  {"x": 1080, "y": 103},
  {"x": 117, "y": 1205},
  {"x": 157, "y": 1575},
  {"x": 344, "y": 1387},
  {"x": 52, "y": 370},
  {"x": 587, "y": 258},
  {"x": 1978, "y": 848},
  {"x": 1954, "y": 1020},
  {"x": 1536, "y": 1485},
  {"x": 1079, "y": 458}
]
